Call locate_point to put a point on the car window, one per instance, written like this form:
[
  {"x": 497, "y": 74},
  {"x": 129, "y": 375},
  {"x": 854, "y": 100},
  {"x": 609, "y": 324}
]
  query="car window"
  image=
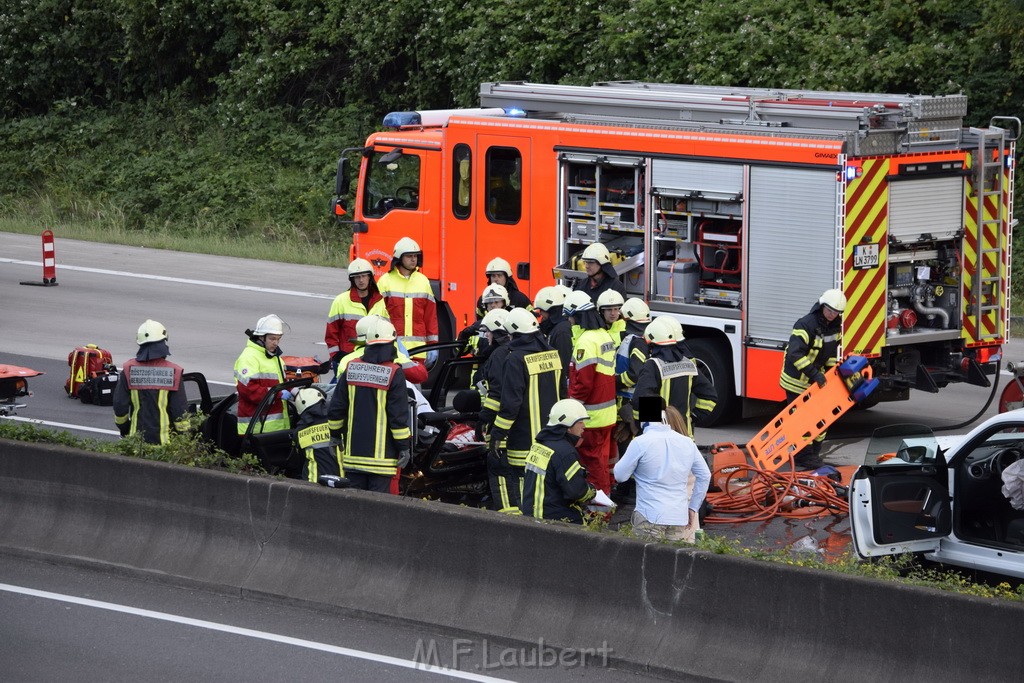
[{"x": 902, "y": 444}]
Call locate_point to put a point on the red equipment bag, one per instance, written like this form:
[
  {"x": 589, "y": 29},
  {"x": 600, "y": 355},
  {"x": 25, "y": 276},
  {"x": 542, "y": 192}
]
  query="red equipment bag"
[{"x": 86, "y": 361}]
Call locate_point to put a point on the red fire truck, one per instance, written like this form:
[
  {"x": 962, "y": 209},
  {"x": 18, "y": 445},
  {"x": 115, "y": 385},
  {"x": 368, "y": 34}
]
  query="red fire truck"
[{"x": 731, "y": 209}]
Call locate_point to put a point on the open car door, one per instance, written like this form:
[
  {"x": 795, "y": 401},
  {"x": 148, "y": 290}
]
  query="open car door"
[{"x": 899, "y": 499}]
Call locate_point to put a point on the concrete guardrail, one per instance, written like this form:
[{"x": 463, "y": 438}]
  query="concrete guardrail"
[{"x": 658, "y": 607}]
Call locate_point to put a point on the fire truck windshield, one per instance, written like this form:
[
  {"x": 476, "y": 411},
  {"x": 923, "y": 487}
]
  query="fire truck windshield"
[{"x": 392, "y": 182}]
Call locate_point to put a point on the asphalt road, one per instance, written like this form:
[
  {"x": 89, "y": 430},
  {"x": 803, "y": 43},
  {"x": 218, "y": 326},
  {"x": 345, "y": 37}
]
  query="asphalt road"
[{"x": 80, "y": 624}]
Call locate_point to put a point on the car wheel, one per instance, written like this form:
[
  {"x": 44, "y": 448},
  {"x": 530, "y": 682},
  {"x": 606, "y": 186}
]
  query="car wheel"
[{"x": 713, "y": 361}]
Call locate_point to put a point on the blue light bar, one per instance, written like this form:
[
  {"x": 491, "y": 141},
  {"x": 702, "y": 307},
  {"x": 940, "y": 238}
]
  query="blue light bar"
[
  {"x": 515, "y": 112},
  {"x": 398, "y": 119}
]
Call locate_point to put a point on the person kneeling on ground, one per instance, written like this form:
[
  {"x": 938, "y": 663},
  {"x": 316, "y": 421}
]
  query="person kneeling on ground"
[
  {"x": 555, "y": 483},
  {"x": 661, "y": 461}
]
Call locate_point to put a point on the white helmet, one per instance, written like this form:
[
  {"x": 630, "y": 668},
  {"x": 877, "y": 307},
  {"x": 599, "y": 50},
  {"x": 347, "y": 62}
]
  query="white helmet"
[
  {"x": 360, "y": 266},
  {"x": 636, "y": 310},
  {"x": 362, "y": 325},
  {"x": 549, "y": 297},
  {"x": 307, "y": 397},
  {"x": 494, "y": 319},
  {"x": 609, "y": 298},
  {"x": 577, "y": 301},
  {"x": 498, "y": 265},
  {"x": 566, "y": 291},
  {"x": 521, "y": 321},
  {"x": 834, "y": 299},
  {"x": 406, "y": 245},
  {"x": 596, "y": 252},
  {"x": 567, "y": 412},
  {"x": 664, "y": 330},
  {"x": 270, "y": 324},
  {"x": 379, "y": 330},
  {"x": 150, "y": 331},
  {"x": 494, "y": 293}
]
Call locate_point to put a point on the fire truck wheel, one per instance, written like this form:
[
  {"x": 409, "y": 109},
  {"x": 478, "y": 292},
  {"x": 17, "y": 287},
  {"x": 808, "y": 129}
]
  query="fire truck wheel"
[{"x": 712, "y": 358}]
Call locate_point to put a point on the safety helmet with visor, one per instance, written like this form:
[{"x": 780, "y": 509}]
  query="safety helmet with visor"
[
  {"x": 150, "y": 331},
  {"x": 664, "y": 330},
  {"x": 521, "y": 321},
  {"x": 567, "y": 412},
  {"x": 834, "y": 299}
]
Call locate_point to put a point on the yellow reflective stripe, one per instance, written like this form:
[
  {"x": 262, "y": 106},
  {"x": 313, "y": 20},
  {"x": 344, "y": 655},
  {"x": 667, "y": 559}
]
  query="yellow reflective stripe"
[
  {"x": 165, "y": 420},
  {"x": 801, "y": 363},
  {"x": 401, "y": 433},
  {"x": 573, "y": 469},
  {"x": 802, "y": 334},
  {"x": 311, "y": 465},
  {"x": 120, "y": 419},
  {"x": 705, "y": 404},
  {"x": 503, "y": 423},
  {"x": 538, "y": 497},
  {"x": 135, "y": 412},
  {"x": 335, "y": 425},
  {"x": 491, "y": 404},
  {"x": 518, "y": 458},
  {"x": 380, "y": 433},
  {"x": 383, "y": 466},
  {"x": 535, "y": 417},
  {"x": 503, "y": 494}
]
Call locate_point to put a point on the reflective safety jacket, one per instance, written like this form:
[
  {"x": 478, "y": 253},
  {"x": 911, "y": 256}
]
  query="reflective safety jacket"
[
  {"x": 411, "y": 306},
  {"x": 555, "y": 483},
  {"x": 558, "y": 331},
  {"x": 348, "y": 309},
  {"x": 592, "y": 372},
  {"x": 529, "y": 387},
  {"x": 673, "y": 376},
  {"x": 415, "y": 373},
  {"x": 370, "y": 406},
  {"x": 149, "y": 399},
  {"x": 255, "y": 374},
  {"x": 488, "y": 378},
  {"x": 630, "y": 357},
  {"x": 812, "y": 348},
  {"x": 313, "y": 439}
]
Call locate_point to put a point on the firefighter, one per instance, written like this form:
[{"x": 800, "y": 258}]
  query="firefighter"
[
  {"x": 529, "y": 387},
  {"x": 257, "y": 370},
  {"x": 630, "y": 356},
  {"x": 555, "y": 484},
  {"x": 409, "y": 299},
  {"x": 592, "y": 382},
  {"x": 499, "y": 272},
  {"x": 812, "y": 350},
  {"x": 360, "y": 299},
  {"x": 415, "y": 373},
  {"x": 556, "y": 328},
  {"x": 370, "y": 409},
  {"x": 473, "y": 336},
  {"x": 149, "y": 398},
  {"x": 601, "y": 276},
  {"x": 487, "y": 378},
  {"x": 672, "y": 374},
  {"x": 313, "y": 436}
]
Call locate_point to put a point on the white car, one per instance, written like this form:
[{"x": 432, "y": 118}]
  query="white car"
[{"x": 944, "y": 497}]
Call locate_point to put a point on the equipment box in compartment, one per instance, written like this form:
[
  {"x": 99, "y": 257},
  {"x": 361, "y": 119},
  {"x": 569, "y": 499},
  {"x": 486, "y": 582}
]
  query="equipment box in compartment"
[
  {"x": 581, "y": 230},
  {"x": 677, "y": 280},
  {"x": 582, "y": 202}
]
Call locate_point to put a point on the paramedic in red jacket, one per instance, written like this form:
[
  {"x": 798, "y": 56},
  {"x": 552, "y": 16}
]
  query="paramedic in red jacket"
[
  {"x": 407, "y": 295},
  {"x": 149, "y": 398},
  {"x": 359, "y": 300}
]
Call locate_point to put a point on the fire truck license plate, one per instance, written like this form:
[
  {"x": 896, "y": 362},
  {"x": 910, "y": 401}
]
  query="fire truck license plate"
[{"x": 865, "y": 256}]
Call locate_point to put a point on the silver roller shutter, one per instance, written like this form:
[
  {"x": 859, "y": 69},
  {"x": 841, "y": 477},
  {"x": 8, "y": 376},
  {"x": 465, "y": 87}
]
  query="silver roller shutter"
[
  {"x": 697, "y": 176},
  {"x": 793, "y": 255},
  {"x": 928, "y": 206}
]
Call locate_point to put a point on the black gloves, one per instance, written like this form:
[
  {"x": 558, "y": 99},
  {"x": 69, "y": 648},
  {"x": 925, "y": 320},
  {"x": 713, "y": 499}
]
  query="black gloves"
[{"x": 819, "y": 378}]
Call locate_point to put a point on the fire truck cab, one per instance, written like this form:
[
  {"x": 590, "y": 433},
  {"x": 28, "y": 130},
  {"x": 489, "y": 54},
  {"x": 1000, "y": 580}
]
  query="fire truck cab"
[{"x": 731, "y": 209}]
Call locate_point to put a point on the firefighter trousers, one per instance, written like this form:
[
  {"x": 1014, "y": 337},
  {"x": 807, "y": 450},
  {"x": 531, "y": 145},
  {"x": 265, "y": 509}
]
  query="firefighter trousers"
[
  {"x": 506, "y": 483},
  {"x": 596, "y": 450}
]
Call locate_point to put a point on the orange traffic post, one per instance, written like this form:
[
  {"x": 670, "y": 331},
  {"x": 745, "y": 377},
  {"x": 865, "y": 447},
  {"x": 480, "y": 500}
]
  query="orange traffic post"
[{"x": 49, "y": 262}]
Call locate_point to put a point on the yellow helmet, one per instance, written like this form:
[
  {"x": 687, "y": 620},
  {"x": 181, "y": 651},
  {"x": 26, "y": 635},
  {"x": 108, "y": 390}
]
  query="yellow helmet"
[
  {"x": 406, "y": 245},
  {"x": 498, "y": 265},
  {"x": 150, "y": 331},
  {"x": 596, "y": 252},
  {"x": 636, "y": 310},
  {"x": 664, "y": 330},
  {"x": 567, "y": 412},
  {"x": 494, "y": 319}
]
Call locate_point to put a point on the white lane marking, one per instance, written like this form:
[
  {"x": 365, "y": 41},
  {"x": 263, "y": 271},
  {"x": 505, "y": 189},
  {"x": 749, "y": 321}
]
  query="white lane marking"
[
  {"x": 62, "y": 425},
  {"x": 250, "y": 633},
  {"x": 166, "y": 278}
]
